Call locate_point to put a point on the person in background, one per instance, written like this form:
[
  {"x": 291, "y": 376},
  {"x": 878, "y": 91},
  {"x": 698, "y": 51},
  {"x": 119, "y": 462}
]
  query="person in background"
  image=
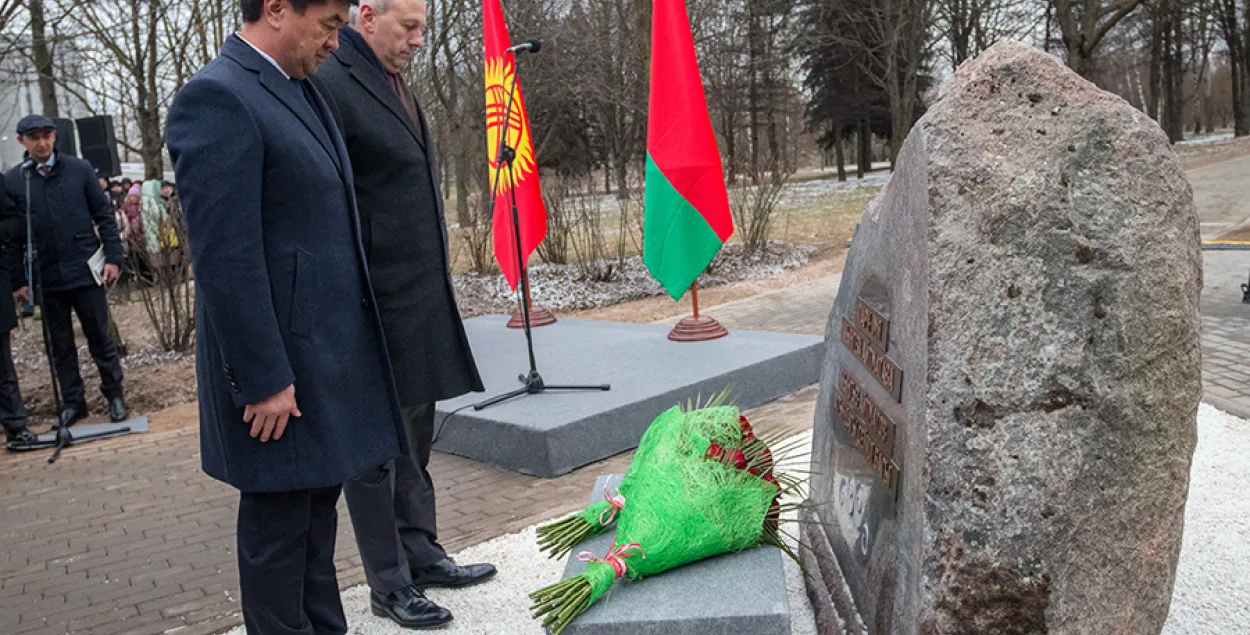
[
  {"x": 71, "y": 219},
  {"x": 12, "y": 239},
  {"x": 116, "y": 194},
  {"x": 133, "y": 209}
]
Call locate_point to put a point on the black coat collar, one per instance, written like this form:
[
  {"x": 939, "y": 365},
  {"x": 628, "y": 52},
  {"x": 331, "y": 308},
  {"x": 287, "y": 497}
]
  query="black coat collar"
[{"x": 362, "y": 64}]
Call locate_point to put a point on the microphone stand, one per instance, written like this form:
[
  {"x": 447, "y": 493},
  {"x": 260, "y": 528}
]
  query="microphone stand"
[
  {"x": 532, "y": 383},
  {"x": 34, "y": 280}
]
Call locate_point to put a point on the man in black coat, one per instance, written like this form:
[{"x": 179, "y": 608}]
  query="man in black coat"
[
  {"x": 401, "y": 212},
  {"x": 70, "y": 217},
  {"x": 12, "y": 239},
  {"x": 284, "y": 307}
]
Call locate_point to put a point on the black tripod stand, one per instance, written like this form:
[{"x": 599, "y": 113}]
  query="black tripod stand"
[
  {"x": 64, "y": 438},
  {"x": 532, "y": 383}
]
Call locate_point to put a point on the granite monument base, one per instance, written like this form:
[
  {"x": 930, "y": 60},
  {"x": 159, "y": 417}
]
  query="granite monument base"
[
  {"x": 733, "y": 594},
  {"x": 552, "y": 433}
]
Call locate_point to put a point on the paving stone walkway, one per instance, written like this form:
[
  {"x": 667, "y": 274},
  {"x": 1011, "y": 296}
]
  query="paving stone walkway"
[{"x": 129, "y": 537}]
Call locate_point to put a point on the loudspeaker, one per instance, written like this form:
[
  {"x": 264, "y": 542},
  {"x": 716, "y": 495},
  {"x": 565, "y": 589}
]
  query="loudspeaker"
[
  {"x": 99, "y": 146},
  {"x": 65, "y": 137}
]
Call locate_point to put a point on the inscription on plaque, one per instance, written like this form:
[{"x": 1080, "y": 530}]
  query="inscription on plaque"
[
  {"x": 879, "y": 425},
  {"x": 883, "y": 369},
  {"x": 866, "y": 337},
  {"x": 873, "y": 324}
]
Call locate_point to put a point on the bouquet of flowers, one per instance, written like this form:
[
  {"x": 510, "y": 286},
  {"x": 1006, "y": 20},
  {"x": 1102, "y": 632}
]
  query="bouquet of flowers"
[{"x": 701, "y": 483}]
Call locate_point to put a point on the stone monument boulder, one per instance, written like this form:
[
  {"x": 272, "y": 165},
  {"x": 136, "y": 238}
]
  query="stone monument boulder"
[{"x": 1012, "y": 375}]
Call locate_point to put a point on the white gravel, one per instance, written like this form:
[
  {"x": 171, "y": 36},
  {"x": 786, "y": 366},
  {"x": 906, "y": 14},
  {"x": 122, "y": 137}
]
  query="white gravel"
[
  {"x": 1212, "y": 592},
  {"x": 1212, "y": 595}
]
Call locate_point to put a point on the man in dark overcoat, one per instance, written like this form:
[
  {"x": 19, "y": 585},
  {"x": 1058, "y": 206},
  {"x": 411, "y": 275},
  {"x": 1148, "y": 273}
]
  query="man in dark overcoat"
[
  {"x": 295, "y": 386},
  {"x": 71, "y": 218},
  {"x": 401, "y": 212}
]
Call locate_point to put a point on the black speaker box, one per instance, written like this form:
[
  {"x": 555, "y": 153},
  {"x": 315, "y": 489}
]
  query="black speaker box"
[
  {"x": 65, "y": 137},
  {"x": 99, "y": 146}
]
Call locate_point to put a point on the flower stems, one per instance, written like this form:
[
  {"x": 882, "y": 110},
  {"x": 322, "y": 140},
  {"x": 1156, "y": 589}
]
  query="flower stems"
[
  {"x": 560, "y": 538},
  {"x": 559, "y": 603}
]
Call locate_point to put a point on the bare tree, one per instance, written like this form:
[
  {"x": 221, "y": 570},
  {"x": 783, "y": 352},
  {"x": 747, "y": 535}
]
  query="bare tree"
[
  {"x": 1084, "y": 23},
  {"x": 1239, "y": 61},
  {"x": 972, "y": 26}
]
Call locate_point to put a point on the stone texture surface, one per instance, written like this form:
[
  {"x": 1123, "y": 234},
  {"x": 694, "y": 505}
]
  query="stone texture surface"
[
  {"x": 552, "y": 433},
  {"x": 738, "y": 593},
  {"x": 1037, "y": 253}
]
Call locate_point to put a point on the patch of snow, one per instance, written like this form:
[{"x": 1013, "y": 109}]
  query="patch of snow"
[
  {"x": 1203, "y": 139},
  {"x": 565, "y": 288}
]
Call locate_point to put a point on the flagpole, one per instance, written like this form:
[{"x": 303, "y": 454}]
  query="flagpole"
[{"x": 697, "y": 328}]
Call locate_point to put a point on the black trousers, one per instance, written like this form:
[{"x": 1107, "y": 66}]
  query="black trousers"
[
  {"x": 392, "y": 510},
  {"x": 12, "y": 410},
  {"x": 286, "y": 563},
  {"x": 91, "y": 305}
]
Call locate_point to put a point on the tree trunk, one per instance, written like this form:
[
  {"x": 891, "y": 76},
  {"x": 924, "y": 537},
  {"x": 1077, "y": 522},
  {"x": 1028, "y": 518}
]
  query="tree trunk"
[
  {"x": 1173, "y": 77},
  {"x": 1157, "y": 25},
  {"x": 150, "y": 112},
  {"x": 865, "y": 148},
  {"x": 1231, "y": 27},
  {"x": 464, "y": 216},
  {"x": 837, "y": 145},
  {"x": 43, "y": 60}
]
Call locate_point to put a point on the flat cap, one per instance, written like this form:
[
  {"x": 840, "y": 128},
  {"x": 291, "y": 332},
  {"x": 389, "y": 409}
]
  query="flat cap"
[{"x": 30, "y": 123}]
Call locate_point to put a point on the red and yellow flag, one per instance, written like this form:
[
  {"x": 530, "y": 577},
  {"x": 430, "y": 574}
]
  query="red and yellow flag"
[{"x": 500, "y": 76}]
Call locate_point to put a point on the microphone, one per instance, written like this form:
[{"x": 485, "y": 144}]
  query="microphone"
[
  {"x": 532, "y": 46},
  {"x": 28, "y": 164}
]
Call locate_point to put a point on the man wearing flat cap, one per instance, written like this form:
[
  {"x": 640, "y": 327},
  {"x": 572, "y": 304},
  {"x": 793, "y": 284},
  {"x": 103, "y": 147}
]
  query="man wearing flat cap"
[{"x": 71, "y": 218}]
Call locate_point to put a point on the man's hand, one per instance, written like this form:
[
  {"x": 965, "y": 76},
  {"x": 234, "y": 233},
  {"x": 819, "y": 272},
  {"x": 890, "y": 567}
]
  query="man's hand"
[
  {"x": 269, "y": 417},
  {"x": 110, "y": 274},
  {"x": 22, "y": 295}
]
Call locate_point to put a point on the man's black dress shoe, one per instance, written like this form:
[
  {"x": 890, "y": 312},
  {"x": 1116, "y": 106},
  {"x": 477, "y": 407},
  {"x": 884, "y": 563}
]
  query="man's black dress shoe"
[
  {"x": 72, "y": 414},
  {"x": 117, "y": 410},
  {"x": 20, "y": 438},
  {"x": 447, "y": 574},
  {"x": 409, "y": 608}
]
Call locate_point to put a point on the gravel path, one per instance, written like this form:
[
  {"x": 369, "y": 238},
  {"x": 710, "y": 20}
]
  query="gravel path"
[{"x": 1212, "y": 592}]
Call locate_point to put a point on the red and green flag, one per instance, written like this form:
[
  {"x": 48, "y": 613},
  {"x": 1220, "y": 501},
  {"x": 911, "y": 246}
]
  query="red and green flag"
[
  {"x": 686, "y": 219},
  {"x": 500, "y": 74}
]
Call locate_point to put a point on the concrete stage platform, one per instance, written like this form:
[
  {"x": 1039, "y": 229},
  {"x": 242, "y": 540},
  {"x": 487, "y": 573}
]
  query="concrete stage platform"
[{"x": 555, "y": 432}]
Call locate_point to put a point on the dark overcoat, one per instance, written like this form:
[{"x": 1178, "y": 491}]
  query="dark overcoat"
[
  {"x": 405, "y": 234},
  {"x": 12, "y": 247},
  {"x": 281, "y": 283}
]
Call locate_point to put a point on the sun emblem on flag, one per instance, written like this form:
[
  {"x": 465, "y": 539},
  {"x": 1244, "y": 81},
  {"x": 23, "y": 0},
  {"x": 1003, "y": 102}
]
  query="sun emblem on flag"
[{"x": 499, "y": 78}]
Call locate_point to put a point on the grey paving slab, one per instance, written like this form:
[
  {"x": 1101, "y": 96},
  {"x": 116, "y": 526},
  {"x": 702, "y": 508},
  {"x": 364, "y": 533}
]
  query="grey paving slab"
[
  {"x": 552, "y": 433},
  {"x": 733, "y": 594}
]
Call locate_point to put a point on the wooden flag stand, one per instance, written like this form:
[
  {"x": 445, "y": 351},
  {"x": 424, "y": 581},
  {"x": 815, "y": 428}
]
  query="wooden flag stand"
[
  {"x": 697, "y": 328},
  {"x": 539, "y": 315}
]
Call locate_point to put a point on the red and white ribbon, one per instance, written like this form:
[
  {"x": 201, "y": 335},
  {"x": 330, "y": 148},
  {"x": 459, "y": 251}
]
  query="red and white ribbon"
[
  {"x": 616, "y": 557},
  {"x": 617, "y": 504}
]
